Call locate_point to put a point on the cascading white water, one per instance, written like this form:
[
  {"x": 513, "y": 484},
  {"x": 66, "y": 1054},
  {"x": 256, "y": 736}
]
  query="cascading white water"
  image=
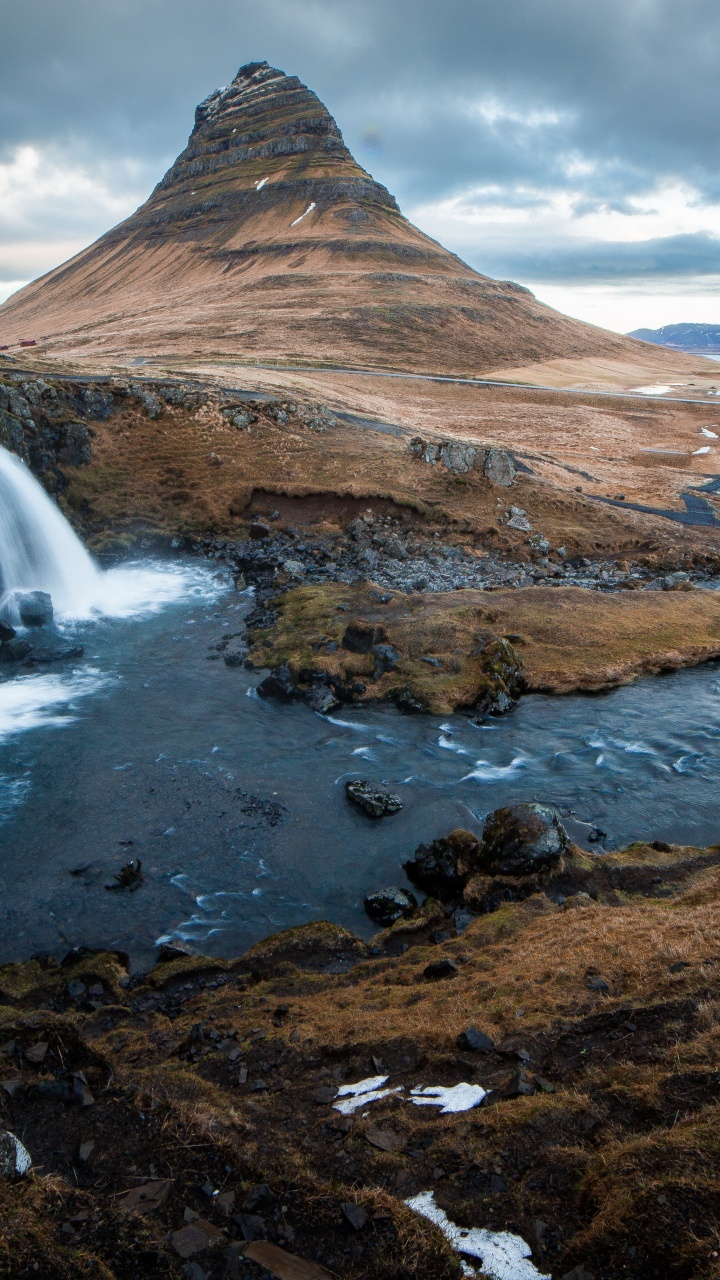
[
  {"x": 40, "y": 552},
  {"x": 38, "y": 549}
]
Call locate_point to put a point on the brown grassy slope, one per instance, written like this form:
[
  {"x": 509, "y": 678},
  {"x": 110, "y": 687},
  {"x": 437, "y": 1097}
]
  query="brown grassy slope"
[
  {"x": 569, "y": 639},
  {"x": 191, "y": 472},
  {"x": 216, "y": 264},
  {"x": 609, "y": 1161}
]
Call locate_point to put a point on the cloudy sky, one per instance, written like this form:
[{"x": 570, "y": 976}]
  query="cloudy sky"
[{"x": 572, "y": 145}]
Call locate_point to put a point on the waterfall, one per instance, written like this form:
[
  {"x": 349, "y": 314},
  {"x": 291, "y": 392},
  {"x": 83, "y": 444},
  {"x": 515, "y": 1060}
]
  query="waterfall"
[{"x": 38, "y": 549}]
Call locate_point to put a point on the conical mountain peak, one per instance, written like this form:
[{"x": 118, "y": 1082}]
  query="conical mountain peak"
[{"x": 266, "y": 239}]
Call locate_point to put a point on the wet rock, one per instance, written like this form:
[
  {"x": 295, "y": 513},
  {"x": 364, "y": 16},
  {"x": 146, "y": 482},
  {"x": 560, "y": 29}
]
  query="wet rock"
[
  {"x": 15, "y": 1160},
  {"x": 130, "y": 876},
  {"x": 67, "y": 653},
  {"x": 521, "y": 840},
  {"x": 6, "y": 633},
  {"x": 388, "y": 905},
  {"x": 15, "y": 650},
  {"x": 34, "y": 607},
  {"x": 362, "y": 637},
  {"x": 407, "y": 702},
  {"x": 280, "y": 684},
  {"x": 441, "y": 868},
  {"x": 476, "y": 1041},
  {"x": 372, "y": 798},
  {"x": 499, "y": 467},
  {"x": 440, "y": 969},
  {"x": 175, "y": 951},
  {"x": 321, "y": 698}
]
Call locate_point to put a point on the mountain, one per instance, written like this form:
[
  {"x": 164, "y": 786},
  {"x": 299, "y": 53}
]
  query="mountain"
[
  {"x": 696, "y": 338},
  {"x": 267, "y": 240}
]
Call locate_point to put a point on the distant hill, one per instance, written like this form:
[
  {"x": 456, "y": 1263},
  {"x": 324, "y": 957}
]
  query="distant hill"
[
  {"x": 698, "y": 338},
  {"x": 266, "y": 240}
]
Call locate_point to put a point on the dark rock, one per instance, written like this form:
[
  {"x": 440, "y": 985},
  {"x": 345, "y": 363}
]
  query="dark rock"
[
  {"x": 175, "y": 951},
  {"x": 407, "y": 702},
  {"x": 516, "y": 1083},
  {"x": 72, "y": 1090},
  {"x": 596, "y": 983},
  {"x": 6, "y": 633},
  {"x": 504, "y": 677},
  {"x": 386, "y": 658},
  {"x": 15, "y": 650},
  {"x": 355, "y": 1215},
  {"x": 442, "y": 867},
  {"x": 279, "y": 684},
  {"x": 372, "y": 798},
  {"x": 362, "y": 637},
  {"x": 440, "y": 969},
  {"x": 259, "y": 1196},
  {"x": 130, "y": 876},
  {"x": 521, "y": 840},
  {"x": 35, "y": 608},
  {"x": 259, "y": 530},
  {"x": 388, "y": 905},
  {"x": 476, "y": 1041},
  {"x": 321, "y": 698},
  {"x": 251, "y": 1225},
  {"x": 67, "y": 654}
]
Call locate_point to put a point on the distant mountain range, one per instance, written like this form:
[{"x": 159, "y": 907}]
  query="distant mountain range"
[{"x": 683, "y": 337}]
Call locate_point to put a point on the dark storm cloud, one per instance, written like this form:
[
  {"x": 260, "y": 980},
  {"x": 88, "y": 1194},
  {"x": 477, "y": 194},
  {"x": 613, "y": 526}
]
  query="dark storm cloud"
[{"x": 606, "y": 98}]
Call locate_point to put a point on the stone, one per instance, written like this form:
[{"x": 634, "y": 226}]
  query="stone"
[
  {"x": 196, "y": 1237},
  {"x": 517, "y": 519},
  {"x": 321, "y": 699},
  {"x": 15, "y": 1160},
  {"x": 15, "y": 650},
  {"x": 476, "y": 1041},
  {"x": 386, "y": 658},
  {"x": 259, "y": 530},
  {"x": 354, "y": 1214},
  {"x": 539, "y": 542},
  {"x": 284, "y": 1265},
  {"x": 145, "y": 1198},
  {"x": 36, "y": 1053},
  {"x": 280, "y": 684},
  {"x": 239, "y": 418},
  {"x": 499, "y": 467},
  {"x": 596, "y": 983},
  {"x": 362, "y": 637},
  {"x": 458, "y": 457},
  {"x": 521, "y": 840},
  {"x": 442, "y": 867},
  {"x": 259, "y": 1196},
  {"x": 295, "y": 568},
  {"x": 175, "y": 951},
  {"x": 388, "y": 905},
  {"x": 34, "y": 607},
  {"x": 372, "y": 798},
  {"x": 6, "y": 633},
  {"x": 438, "y": 969},
  {"x": 67, "y": 653},
  {"x": 384, "y": 1139}
]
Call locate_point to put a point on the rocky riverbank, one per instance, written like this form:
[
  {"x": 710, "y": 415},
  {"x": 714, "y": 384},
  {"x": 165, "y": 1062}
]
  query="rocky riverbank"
[{"x": 546, "y": 1068}]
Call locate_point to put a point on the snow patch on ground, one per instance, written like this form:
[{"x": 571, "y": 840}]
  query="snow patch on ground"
[
  {"x": 309, "y": 209},
  {"x": 503, "y": 1256},
  {"x": 451, "y": 1098}
]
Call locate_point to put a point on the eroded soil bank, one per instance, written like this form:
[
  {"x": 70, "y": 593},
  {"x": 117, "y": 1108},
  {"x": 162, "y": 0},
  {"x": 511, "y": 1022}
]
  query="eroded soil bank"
[{"x": 209, "y": 1088}]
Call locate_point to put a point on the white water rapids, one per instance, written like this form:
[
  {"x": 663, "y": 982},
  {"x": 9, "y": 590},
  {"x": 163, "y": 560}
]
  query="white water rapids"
[{"x": 39, "y": 551}]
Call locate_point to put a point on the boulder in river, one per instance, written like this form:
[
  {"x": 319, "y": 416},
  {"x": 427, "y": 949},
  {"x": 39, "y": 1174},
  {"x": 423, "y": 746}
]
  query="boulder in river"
[
  {"x": 388, "y": 905},
  {"x": 34, "y": 607},
  {"x": 522, "y": 840},
  {"x": 15, "y": 650},
  {"x": 441, "y": 868},
  {"x": 279, "y": 684},
  {"x": 372, "y": 798}
]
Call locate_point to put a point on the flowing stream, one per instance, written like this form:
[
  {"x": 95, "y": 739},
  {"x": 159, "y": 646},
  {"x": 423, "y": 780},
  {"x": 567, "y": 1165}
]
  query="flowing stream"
[{"x": 151, "y": 747}]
